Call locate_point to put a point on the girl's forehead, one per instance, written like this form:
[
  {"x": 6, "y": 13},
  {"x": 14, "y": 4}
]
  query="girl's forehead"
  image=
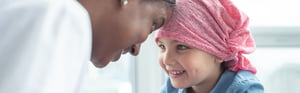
[{"x": 167, "y": 40}]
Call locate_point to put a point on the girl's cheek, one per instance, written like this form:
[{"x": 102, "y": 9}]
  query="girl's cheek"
[{"x": 162, "y": 65}]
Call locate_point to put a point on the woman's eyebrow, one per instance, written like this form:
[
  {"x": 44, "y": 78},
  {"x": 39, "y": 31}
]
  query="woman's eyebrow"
[{"x": 163, "y": 22}]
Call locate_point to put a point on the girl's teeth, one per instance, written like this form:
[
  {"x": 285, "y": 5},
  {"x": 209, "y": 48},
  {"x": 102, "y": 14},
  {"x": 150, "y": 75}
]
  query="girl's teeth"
[{"x": 177, "y": 72}]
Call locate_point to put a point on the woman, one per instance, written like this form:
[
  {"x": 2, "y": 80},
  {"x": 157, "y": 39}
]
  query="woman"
[
  {"x": 45, "y": 44},
  {"x": 117, "y": 25}
]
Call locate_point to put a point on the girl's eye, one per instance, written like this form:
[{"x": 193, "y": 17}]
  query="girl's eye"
[
  {"x": 182, "y": 47},
  {"x": 161, "y": 46}
]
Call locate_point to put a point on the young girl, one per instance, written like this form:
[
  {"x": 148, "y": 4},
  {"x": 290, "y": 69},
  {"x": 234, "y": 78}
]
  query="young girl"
[{"x": 202, "y": 49}]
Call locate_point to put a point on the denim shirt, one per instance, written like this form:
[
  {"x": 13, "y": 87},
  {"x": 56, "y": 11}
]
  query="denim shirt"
[{"x": 230, "y": 82}]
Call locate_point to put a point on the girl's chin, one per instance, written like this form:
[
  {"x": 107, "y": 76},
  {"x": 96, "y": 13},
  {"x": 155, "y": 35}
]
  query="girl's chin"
[{"x": 179, "y": 85}]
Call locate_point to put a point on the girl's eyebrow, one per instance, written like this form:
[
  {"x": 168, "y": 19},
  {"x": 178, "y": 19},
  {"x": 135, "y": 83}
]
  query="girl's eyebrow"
[
  {"x": 159, "y": 41},
  {"x": 173, "y": 41}
]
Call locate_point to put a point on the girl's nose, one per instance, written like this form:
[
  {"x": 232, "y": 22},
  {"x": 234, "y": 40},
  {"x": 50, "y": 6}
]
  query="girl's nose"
[{"x": 169, "y": 58}]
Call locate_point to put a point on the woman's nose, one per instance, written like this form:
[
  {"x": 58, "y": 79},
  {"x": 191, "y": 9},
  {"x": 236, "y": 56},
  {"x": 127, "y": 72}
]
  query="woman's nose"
[{"x": 135, "y": 49}]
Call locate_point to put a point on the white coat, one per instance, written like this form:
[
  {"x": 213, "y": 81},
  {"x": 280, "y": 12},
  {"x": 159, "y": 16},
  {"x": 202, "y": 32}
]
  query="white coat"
[{"x": 45, "y": 46}]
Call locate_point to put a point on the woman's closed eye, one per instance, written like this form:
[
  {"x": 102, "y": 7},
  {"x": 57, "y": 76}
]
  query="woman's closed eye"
[
  {"x": 158, "y": 24},
  {"x": 154, "y": 27}
]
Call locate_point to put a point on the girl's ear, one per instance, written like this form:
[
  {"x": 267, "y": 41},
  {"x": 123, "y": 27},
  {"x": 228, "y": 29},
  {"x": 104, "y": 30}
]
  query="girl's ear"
[{"x": 218, "y": 60}]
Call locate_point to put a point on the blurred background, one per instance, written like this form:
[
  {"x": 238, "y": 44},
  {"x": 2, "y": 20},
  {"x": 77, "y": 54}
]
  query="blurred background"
[{"x": 275, "y": 25}]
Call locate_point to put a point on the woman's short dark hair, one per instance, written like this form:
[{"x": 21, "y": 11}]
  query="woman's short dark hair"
[{"x": 171, "y": 1}]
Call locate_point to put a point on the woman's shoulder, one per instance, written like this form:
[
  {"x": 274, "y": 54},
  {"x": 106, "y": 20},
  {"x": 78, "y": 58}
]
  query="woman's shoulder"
[{"x": 245, "y": 81}]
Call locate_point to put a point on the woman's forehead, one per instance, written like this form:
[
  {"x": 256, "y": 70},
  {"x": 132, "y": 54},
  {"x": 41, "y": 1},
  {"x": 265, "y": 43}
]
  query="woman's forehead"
[{"x": 170, "y": 2}]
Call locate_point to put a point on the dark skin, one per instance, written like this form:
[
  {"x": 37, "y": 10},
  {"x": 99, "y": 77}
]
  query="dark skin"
[{"x": 118, "y": 28}]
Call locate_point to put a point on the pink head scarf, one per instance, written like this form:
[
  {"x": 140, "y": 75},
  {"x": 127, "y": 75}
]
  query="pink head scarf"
[{"x": 213, "y": 26}]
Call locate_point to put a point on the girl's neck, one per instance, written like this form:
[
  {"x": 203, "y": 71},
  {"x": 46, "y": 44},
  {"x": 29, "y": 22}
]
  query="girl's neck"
[
  {"x": 206, "y": 86},
  {"x": 199, "y": 89}
]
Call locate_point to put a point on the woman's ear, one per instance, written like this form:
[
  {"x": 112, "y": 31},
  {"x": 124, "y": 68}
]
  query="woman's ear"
[{"x": 124, "y": 2}]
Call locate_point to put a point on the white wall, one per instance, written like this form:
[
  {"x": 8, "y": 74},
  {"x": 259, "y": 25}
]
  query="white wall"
[
  {"x": 271, "y": 12},
  {"x": 149, "y": 75}
]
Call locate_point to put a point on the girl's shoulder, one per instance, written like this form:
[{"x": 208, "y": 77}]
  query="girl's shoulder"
[{"x": 245, "y": 81}]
